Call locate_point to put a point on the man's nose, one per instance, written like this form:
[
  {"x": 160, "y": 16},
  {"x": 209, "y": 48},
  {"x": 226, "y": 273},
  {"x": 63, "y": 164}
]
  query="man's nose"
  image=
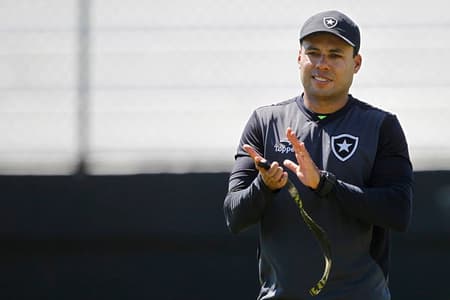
[{"x": 322, "y": 61}]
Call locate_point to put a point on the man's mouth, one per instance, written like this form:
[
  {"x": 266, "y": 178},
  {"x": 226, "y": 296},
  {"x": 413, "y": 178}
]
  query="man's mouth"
[{"x": 321, "y": 79}]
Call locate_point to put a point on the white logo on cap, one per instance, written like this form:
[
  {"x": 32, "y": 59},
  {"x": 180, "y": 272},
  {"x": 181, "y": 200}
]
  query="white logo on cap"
[{"x": 329, "y": 22}]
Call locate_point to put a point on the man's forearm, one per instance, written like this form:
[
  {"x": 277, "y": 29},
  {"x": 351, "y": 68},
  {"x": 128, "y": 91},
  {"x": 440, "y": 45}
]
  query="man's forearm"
[{"x": 244, "y": 207}]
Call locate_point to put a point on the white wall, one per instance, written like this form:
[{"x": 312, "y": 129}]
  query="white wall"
[
  {"x": 173, "y": 82},
  {"x": 37, "y": 79}
]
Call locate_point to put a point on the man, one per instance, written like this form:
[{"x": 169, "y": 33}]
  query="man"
[{"x": 349, "y": 162}]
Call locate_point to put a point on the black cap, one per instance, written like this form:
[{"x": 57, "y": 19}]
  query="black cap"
[{"x": 334, "y": 22}]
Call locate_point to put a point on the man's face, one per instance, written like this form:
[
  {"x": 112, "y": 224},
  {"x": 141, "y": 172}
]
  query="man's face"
[{"x": 327, "y": 66}]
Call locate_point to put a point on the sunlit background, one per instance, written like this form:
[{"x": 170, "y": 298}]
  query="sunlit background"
[
  {"x": 123, "y": 87},
  {"x": 150, "y": 98}
]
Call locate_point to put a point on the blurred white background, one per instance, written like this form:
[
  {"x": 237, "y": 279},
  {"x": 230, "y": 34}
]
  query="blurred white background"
[{"x": 166, "y": 86}]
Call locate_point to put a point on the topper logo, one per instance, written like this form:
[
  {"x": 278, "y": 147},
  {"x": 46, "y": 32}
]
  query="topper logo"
[{"x": 283, "y": 147}]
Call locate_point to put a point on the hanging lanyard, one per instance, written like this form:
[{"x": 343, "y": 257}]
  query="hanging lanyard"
[{"x": 318, "y": 232}]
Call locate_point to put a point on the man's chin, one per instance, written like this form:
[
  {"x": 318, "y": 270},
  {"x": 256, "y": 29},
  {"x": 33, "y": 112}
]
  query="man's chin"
[{"x": 322, "y": 93}]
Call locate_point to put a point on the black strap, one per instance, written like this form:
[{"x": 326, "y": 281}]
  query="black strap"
[
  {"x": 315, "y": 228},
  {"x": 320, "y": 235},
  {"x": 326, "y": 184}
]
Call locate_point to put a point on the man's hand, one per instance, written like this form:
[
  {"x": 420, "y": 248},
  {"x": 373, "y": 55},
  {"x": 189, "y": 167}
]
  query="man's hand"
[
  {"x": 275, "y": 177},
  {"x": 306, "y": 170}
]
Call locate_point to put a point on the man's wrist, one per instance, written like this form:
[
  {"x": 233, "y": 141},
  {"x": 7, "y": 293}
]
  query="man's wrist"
[
  {"x": 264, "y": 186},
  {"x": 326, "y": 184}
]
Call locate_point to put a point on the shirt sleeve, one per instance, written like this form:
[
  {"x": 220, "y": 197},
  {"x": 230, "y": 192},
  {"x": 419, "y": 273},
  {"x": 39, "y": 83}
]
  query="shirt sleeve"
[
  {"x": 247, "y": 194},
  {"x": 387, "y": 199}
]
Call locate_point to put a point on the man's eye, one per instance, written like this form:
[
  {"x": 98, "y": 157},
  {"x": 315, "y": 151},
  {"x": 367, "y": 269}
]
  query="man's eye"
[{"x": 334, "y": 55}]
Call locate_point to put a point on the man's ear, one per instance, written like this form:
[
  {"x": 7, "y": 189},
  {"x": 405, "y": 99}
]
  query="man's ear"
[
  {"x": 358, "y": 61},
  {"x": 299, "y": 57}
]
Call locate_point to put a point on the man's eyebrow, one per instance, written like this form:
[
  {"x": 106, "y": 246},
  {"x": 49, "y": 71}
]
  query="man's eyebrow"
[
  {"x": 336, "y": 50},
  {"x": 333, "y": 50},
  {"x": 311, "y": 47}
]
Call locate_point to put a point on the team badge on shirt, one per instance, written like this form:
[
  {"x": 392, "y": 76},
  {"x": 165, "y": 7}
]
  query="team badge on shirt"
[{"x": 344, "y": 146}]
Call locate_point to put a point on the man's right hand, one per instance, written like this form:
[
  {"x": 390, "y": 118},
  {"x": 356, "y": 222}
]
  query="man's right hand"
[{"x": 275, "y": 177}]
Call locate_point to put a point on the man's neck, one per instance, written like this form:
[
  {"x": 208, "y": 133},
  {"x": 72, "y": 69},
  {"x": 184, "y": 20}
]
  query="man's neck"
[{"x": 324, "y": 105}]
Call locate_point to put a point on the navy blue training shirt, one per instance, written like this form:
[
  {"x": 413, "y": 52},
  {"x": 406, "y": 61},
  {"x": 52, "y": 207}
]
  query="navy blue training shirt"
[{"x": 365, "y": 148}]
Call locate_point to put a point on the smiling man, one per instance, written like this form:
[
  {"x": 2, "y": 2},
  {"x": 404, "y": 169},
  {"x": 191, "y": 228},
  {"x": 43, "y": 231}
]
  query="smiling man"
[{"x": 342, "y": 160}]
